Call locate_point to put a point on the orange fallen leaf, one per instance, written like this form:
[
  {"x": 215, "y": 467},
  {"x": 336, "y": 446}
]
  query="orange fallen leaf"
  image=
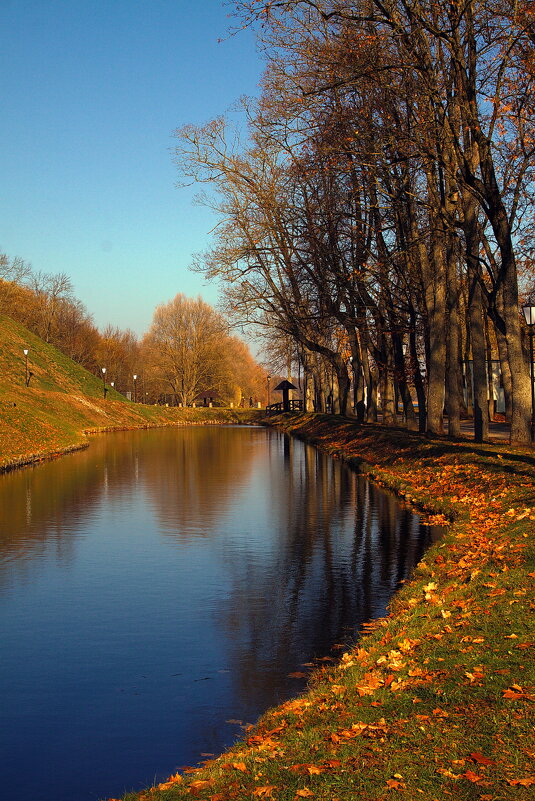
[
  {"x": 515, "y": 693},
  {"x": 198, "y": 785},
  {"x": 471, "y": 776},
  {"x": 527, "y": 782},
  {"x": 304, "y": 793},
  {"x": 394, "y": 784},
  {"x": 240, "y": 766},
  {"x": 264, "y": 792},
  {"x": 370, "y": 683},
  {"x": 332, "y": 763},
  {"x": 481, "y": 759},
  {"x": 447, "y": 773}
]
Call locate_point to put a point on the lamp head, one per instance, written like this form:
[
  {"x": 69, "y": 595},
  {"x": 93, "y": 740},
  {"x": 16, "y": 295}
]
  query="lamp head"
[{"x": 529, "y": 312}]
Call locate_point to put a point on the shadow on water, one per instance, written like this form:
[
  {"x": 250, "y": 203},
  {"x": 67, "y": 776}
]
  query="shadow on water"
[{"x": 161, "y": 583}]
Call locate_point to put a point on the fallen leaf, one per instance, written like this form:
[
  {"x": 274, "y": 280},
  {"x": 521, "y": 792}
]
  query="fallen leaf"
[
  {"x": 304, "y": 793},
  {"x": 429, "y": 587},
  {"x": 514, "y": 693},
  {"x": 527, "y": 782},
  {"x": 471, "y": 776},
  {"x": 481, "y": 759},
  {"x": 370, "y": 683},
  {"x": 198, "y": 785},
  {"x": 264, "y": 792},
  {"x": 171, "y": 782}
]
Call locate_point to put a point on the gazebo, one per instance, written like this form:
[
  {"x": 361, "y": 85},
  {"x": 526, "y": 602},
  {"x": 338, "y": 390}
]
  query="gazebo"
[{"x": 285, "y": 387}]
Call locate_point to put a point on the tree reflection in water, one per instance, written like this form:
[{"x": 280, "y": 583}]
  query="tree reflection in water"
[
  {"x": 318, "y": 549},
  {"x": 156, "y": 560}
]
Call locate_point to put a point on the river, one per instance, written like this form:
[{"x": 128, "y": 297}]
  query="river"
[{"x": 158, "y": 589}]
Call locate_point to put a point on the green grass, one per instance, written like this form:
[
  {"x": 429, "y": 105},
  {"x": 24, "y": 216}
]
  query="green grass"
[{"x": 435, "y": 702}]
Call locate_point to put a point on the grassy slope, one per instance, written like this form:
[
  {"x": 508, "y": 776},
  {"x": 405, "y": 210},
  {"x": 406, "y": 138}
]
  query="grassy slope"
[
  {"x": 63, "y": 400},
  {"x": 435, "y": 702}
]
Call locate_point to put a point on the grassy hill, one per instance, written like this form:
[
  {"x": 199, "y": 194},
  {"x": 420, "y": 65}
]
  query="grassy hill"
[{"x": 63, "y": 401}]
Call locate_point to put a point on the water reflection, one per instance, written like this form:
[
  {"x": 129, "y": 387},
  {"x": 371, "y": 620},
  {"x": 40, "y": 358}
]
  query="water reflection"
[
  {"x": 162, "y": 582},
  {"x": 340, "y": 548},
  {"x": 191, "y": 479}
]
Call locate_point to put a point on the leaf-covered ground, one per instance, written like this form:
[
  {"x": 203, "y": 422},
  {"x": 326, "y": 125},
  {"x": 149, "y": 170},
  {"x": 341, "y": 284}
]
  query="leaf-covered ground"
[{"x": 436, "y": 700}]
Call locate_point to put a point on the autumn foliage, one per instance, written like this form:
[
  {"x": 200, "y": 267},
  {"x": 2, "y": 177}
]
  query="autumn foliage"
[{"x": 379, "y": 211}]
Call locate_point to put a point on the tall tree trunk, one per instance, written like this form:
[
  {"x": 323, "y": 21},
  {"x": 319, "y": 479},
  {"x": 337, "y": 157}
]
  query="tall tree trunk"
[
  {"x": 477, "y": 382},
  {"x": 506, "y": 374},
  {"x": 387, "y": 392},
  {"x": 453, "y": 346},
  {"x": 479, "y": 372},
  {"x": 343, "y": 384},
  {"x": 369, "y": 378},
  {"x": 404, "y": 391},
  {"x": 417, "y": 375},
  {"x": 436, "y": 314}
]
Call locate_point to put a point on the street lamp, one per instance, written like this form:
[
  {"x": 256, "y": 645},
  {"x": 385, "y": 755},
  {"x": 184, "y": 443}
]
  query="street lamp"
[
  {"x": 268, "y": 392},
  {"x": 135, "y": 379},
  {"x": 26, "y": 379},
  {"x": 529, "y": 314},
  {"x": 104, "y": 380}
]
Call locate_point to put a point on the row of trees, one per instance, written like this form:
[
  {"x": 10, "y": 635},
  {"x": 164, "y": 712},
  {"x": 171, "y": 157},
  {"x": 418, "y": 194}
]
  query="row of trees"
[
  {"x": 379, "y": 214},
  {"x": 188, "y": 353}
]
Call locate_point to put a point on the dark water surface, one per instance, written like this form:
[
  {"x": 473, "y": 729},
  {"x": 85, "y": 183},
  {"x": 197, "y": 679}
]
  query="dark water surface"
[{"x": 162, "y": 583}]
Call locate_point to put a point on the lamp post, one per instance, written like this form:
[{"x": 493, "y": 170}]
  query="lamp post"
[
  {"x": 268, "y": 390},
  {"x": 135, "y": 379},
  {"x": 352, "y": 384},
  {"x": 529, "y": 314},
  {"x": 104, "y": 380},
  {"x": 26, "y": 379}
]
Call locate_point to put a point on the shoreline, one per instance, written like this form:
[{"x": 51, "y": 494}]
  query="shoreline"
[
  {"x": 211, "y": 417},
  {"x": 433, "y": 701}
]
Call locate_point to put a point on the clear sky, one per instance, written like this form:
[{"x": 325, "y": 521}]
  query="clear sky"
[{"x": 91, "y": 92}]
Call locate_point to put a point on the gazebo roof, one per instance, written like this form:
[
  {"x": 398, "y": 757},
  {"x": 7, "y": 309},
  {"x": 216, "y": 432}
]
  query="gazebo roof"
[{"x": 285, "y": 385}]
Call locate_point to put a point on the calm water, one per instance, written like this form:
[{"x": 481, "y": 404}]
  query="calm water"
[{"x": 160, "y": 586}]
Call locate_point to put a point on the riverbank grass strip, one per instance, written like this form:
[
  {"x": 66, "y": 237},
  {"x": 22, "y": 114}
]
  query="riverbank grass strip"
[
  {"x": 436, "y": 700},
  {"x": 63, "y": 402}
]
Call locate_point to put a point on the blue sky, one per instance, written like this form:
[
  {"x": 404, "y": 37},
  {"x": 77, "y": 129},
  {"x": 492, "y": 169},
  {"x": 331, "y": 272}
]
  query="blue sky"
[{"x": 91, "y": 93}]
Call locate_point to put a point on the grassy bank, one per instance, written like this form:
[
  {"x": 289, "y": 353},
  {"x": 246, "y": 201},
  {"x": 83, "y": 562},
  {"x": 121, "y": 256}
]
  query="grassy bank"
[
  {"x": 435, "y": 701},
  {"x": 63, "y": 402}
]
